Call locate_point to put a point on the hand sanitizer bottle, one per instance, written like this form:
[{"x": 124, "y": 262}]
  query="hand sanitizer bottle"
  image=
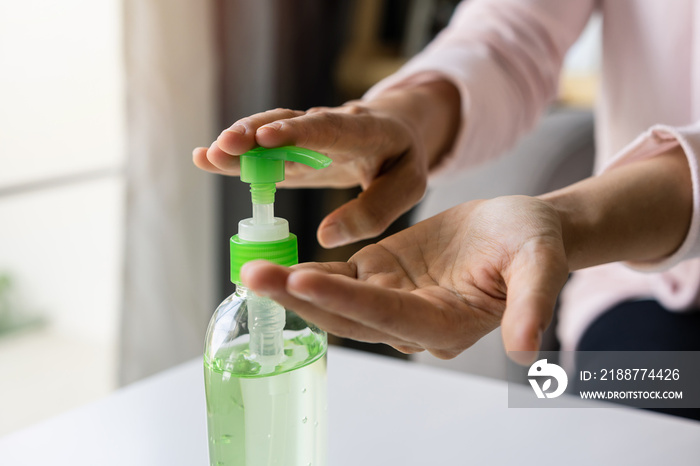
[{"x": 264, "y": 366}]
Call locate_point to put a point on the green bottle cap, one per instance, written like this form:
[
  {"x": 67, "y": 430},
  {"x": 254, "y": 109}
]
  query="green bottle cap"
[
  {"x": 283, "y": 252},
  {"x": 262, "y": 168}
]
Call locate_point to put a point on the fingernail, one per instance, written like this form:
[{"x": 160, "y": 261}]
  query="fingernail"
[
  {"x": 273, "y": 126},
  {"x": 335, "y": 235},
  {"x": 240, "y": 129}
]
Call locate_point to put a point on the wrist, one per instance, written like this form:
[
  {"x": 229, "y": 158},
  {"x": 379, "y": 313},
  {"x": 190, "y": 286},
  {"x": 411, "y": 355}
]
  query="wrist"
[
  {"x": 576, "y": 224},
  {"x": 637, "y": 212}
]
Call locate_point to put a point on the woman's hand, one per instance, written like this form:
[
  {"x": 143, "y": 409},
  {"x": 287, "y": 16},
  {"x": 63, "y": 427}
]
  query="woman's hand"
[
  {"x": 386, "y": 146},
  {"x": 439, "y": 285}
]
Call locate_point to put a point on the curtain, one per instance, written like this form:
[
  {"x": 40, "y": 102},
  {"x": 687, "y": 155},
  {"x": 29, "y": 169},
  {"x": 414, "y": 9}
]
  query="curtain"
[{"x": 169, "y": 285}]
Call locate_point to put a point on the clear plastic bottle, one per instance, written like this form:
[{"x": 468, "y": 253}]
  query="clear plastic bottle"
[
  {"x": 262, "y": 411},
  {"x": 264, "y": 366}
]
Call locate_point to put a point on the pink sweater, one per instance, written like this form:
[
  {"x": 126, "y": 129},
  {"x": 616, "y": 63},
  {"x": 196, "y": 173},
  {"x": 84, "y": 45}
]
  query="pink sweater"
[{"x": 505, "y": 57}]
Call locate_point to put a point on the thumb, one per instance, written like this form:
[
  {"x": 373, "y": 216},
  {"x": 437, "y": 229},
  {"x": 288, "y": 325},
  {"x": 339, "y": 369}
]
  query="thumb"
[
  {"x": 532, "y": 295},
  {"x": 386, "y": 198}
]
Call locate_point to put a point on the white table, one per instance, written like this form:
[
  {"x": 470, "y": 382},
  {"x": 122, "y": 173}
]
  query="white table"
[{"x": 381, "y": 412}]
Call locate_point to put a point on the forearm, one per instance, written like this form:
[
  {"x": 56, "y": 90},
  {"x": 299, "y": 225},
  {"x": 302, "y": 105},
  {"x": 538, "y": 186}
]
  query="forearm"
[
  {"x": 637, "y": 212},
  {"x": 431, "y": 110}
]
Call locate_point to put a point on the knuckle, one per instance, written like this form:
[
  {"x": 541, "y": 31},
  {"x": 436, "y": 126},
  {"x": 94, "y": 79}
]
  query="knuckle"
[
  {"x": 331, "y": 118},
  {"x": 406, "y": 349},
  {"x": 259, "y": 119},
  {"x": 318, "y": 109},
  {"x": 302, "y": 133},
  {"x": 444, "y": 354},
  {"x": 246, "y": 121},
  {"x": 354, "y": 108}
]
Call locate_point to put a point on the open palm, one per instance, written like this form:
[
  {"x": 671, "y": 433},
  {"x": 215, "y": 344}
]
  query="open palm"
[{"x": 439, "y": 285}]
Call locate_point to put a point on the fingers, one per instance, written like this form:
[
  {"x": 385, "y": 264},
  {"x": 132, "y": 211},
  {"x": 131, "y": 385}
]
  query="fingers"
[
  {"x": 340, "y": 268},
  {"x": 267, "y": 279},
  {"x": 222, "y": 156},
  {"x": 385, "y": 199},
  {"x": 270, "y": 280},
  {"x": 400, "y": 314},
  {"x": 215, "y": 160},
  {"x": 348, "y": 128},
  {"x": 241, "y": 136},
  {"x": 344, "y": 130},
  {"x": 199, "y": 157},
  {"x": 532, "y": 296}
]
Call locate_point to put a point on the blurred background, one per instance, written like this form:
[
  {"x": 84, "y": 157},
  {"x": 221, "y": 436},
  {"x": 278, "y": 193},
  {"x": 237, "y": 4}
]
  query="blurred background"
[{"x": 113, "y": 247}]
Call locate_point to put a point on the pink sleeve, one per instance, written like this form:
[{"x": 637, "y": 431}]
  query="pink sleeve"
[
  {"x": 655, "y": 141},
  {"x": 505, "y": 57}
]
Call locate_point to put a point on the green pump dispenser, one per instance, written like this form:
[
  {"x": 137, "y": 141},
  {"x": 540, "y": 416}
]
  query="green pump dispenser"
[
  {"x": 263, "y": 236},
  {"x": 264, "y": 366}
]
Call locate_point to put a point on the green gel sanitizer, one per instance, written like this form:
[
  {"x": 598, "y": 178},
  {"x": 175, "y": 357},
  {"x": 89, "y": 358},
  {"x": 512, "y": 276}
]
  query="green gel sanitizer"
[{"x": 264, "y": 366}]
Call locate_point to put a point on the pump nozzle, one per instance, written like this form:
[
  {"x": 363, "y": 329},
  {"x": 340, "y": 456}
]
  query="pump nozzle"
[
  {"x": 263, "y": 167},
  {"x": 266, "y": 237}
]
